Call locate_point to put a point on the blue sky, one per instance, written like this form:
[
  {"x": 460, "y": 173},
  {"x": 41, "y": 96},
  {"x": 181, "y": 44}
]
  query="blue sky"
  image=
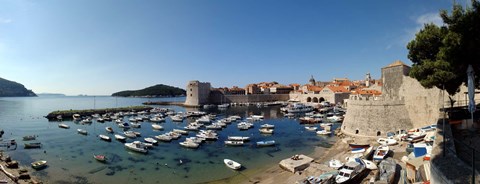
[{"x": 100, "y": 47}]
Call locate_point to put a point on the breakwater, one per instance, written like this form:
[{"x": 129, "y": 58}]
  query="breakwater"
[
  {"x": 67, "y": 114},
  {"x": 164, "y": 103}
]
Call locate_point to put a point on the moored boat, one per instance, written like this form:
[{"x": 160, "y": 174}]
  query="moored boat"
[
  {"x": 234, "y": 143},
  {"x": 359, "y": 145},
  {"x": 266, "y": 143},
  {"x": 63, "y": 125},
  {"x": 33, "y": 145},
  {"x": 150, "y": 140},
  {"x": 266, "y": 131},
  {"x": 232, "y": 164},
  {"x": 39, "y": 164},
  {"x": 29, "y": 137},
  {"x": 157, "y": 127},
  {"x": 136, "y": 146},
  {"x": 238, "y": 138},
  {"x": 387, "y": 141},
  {"x": 104, "y": 137},
  {"x": 324, "y": 132},
  {"x": 109, "y": 129},
  {"x": 120, "y": 137},
  {"x": 82, "y": 131},
  {"x": 380, "y": 153},
  {"x": 189, "y": 144},
  {"x": 100, "y": 158},
  {"x": 311, "y": 128}
]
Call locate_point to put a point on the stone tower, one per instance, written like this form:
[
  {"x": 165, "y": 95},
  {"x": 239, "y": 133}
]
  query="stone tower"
[
  {"x": 392, "y": 78},
  {"x": 312, "y": 81},
  {"x": 368, "y": 78},
  {"x": 197, "y": 93}
]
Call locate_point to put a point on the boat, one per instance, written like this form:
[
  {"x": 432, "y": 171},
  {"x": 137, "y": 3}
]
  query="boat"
[
  {"x": 157, "y": 119},
  {"x": 104, "y": 137},
  {"x": 335, "y": 118},
  {"x": 265, "y": 143},
  {"x": 380, "y": 153},
  {"x": 359, "y": 145},
  {"x": 309, "y": 120},
  {"x": 266, "y": 131},
  {"x": 358, "y": 150},
  {"x": 238, "y": 138},
  {"x": 130, "y": 134},
  {"x": 100, "y": 158},
  {"x": 387, "y": 141},
  {"x": 184, "y": 132},
  {"x": 334, "y": 163},
  {"x": 33, "y": 145},
  {"x": 150, "y": 140},
  {"x": 325, "y": 178},
  {"x": 257, "y": 117},
  {"x": 138, "y": 134},
  {"x": 350, "y": 172},
  {"x": 324, "y": 132},
  {"x": 124, "y": 125},
  {"x": 232, "y": 164},
  {"x": 157, "y": 127},
  {"x": 39, "y": 164},
  {"x": 234, "y": 143},
  {"x": 136, "y": 125},
  {"x": 164, "y": 138},
  {"x": 177, "y": 118},
  {"x": 368, "y": 152},
  {"x": 136, "y": 146},
  {"x": 119, "y": 137},
  {"x": 109, "y": 129},
  {"x": 370, "y": 165},
  {"x": 267, "y": 126},
  {"x": 82, "y": 131},
  {"x": 29, "y": 137},
  {"x": 298, "y": 108},
  {"x": 189, "y": 144},
  {"x": 76, "y": 117},
  {"x": 63, "y": 125},
  {"x": 311, "y": 128}
]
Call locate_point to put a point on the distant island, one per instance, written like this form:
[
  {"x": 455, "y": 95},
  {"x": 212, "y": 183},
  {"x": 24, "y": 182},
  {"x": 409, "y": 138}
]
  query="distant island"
[
  {"x": 158, "y": 90},
  {"x": 50, "y": 94},
  {"x": 13, "y": 89}
]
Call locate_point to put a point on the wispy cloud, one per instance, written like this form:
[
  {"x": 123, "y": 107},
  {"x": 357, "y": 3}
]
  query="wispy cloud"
[{"x": 5, "y": 21}]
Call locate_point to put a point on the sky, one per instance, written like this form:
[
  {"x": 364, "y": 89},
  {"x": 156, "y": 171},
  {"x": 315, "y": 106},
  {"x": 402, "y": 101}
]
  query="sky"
[{"x": 100, "y": 47}]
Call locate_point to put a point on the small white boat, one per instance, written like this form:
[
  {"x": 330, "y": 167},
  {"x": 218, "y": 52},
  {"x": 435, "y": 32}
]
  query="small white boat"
[
  {"x": 358, "y": 150},
  {"x": 267, "y": 126},
  {"x": 266, "y": 131},
  {"x": 157, "y": 127},
  {"x": 39, "y": 164},
  {"x": 380, "y": 153},
  {"x": 177, "y": 118},
  {"x": 150, "y": 140},
  {"x": 387, "y": 141},
  {"x": 324, "y": 132},
  {"x": 136, "y": 125},
  {"x": 109, "y": 129},
  {"x": 370, "y": 165},
  {"x": 184, "y": 132},
  {"x": 82, "y": 131},
  {"x": 104, "y": 137},
  {"x": 130, "y": 134},
  {"x": 136, "y": 146},
  {"x": 238, "y": 138},
  {"x": 311, "y": 128},
  {"x": 349, "y": 172},
  {"x": 189, "y": 144},
  {"x": 232, "y": 164},
  {"x": 164, "y": 138},
  {"x": 368, "y": 152},
  {"x": 63, "y": 125},
  {"x": 334, "y": 163},
  {"x": 120, "y": 137},
  {"x": 157, "y": 119},
  {"x": 234, "y": 143}
]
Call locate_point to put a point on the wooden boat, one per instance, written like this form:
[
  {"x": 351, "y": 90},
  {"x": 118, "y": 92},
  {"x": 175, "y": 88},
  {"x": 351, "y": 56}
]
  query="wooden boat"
[
  {"x": 29, "y": 137},
  {"x": 39, "y": 164},
  {"x": 104, "y": 137},
  {"x": 33, "y": 145},
  {"x": 234, "y": 143},
  {"x": 380, "y": 153},
  {"x": 358, "y": 150},
  {"x": 266, "y": 131},
  {"x": 100, "y": 158},
  {"x": 63, "y": 125},
  {"x": 82, "y": 131},
  {"x": 109, "y": 129},
  {"x": 232, "y": 164},
  {"x": 266, "y": 143},
  {"x": 359, "y": 145}
]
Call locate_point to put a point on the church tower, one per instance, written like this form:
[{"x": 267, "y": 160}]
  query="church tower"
[{"x": 312, "y": 81}]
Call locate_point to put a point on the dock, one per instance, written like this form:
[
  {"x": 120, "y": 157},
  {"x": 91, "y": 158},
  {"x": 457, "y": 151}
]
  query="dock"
[
  {"x": 182, "y": 104},
  {"x": 296, "y": 163},
  {"x": 67, "y": 114}
]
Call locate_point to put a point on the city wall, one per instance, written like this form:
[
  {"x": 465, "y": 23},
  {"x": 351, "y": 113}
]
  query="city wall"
[{"x": 219, "y": 98}]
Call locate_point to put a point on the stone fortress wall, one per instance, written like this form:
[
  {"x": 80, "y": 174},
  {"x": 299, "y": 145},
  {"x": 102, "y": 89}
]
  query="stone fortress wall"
[{"x": 404, "y": 104}]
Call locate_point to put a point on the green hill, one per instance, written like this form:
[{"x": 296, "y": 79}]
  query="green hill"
[
  {"x": 159, "y": 90},
  {"x": 13, "y": 89}
]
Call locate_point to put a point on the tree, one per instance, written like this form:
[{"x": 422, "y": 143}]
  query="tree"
[{"x": 441, "y": 54}]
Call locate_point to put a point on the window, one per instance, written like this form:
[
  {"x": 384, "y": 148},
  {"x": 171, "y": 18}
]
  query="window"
[
  {"x": 356, "y": 131},
  {"x": 379, "y": 133},
  {"x": 190, "y": 94}
]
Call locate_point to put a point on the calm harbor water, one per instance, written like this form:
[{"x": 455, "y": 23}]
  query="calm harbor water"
[{"x": 70, "y": 155}]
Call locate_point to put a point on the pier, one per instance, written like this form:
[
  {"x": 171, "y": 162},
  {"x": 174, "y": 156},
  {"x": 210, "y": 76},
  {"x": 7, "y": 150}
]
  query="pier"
[{"x": 67, "y": 114}]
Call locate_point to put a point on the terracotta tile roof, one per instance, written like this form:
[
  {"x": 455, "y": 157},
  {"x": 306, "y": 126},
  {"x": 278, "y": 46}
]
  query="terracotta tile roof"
[
  {"x": 338, "y": 89},
  {"x": 314, "y": 88}
]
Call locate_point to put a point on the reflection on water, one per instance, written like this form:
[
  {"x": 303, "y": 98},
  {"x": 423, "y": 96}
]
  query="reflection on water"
[{"x": 70, "y": 155}]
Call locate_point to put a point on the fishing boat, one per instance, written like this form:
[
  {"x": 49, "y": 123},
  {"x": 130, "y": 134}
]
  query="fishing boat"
[
  {"x": 265, "y": 143},
  {"x": 100, "y": 158},
  {"x": 350, "y": 172},
  {"x": 380, "y": 153},
  {"x": 63, "y": 125},
  {"x": 29, "y": 137},
  {"x": 104, "y": 137},
  {"x": 232, "y": 164},
  {"x": 39, "y": 164},
  {"x": 234, "y": 143},
  {"x": 82, "y": 131},
  {"x": 136, "y": 146},
  {"x": 119, "y": 137},
  {"x": 387, "y": 141},
  {"x": 33, "y": 145},
  {"x": 109, "y": 129},
  {"x": 266, "y": 131},
  {"x": 238, "y": 138}
]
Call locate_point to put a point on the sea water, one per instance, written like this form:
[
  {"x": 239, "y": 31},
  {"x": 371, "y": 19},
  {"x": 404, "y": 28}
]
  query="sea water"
[{"x": 70, "y": 155}]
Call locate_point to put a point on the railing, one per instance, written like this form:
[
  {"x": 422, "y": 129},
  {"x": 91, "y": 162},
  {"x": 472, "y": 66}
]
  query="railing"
[{"x": 468, "y": 154}]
